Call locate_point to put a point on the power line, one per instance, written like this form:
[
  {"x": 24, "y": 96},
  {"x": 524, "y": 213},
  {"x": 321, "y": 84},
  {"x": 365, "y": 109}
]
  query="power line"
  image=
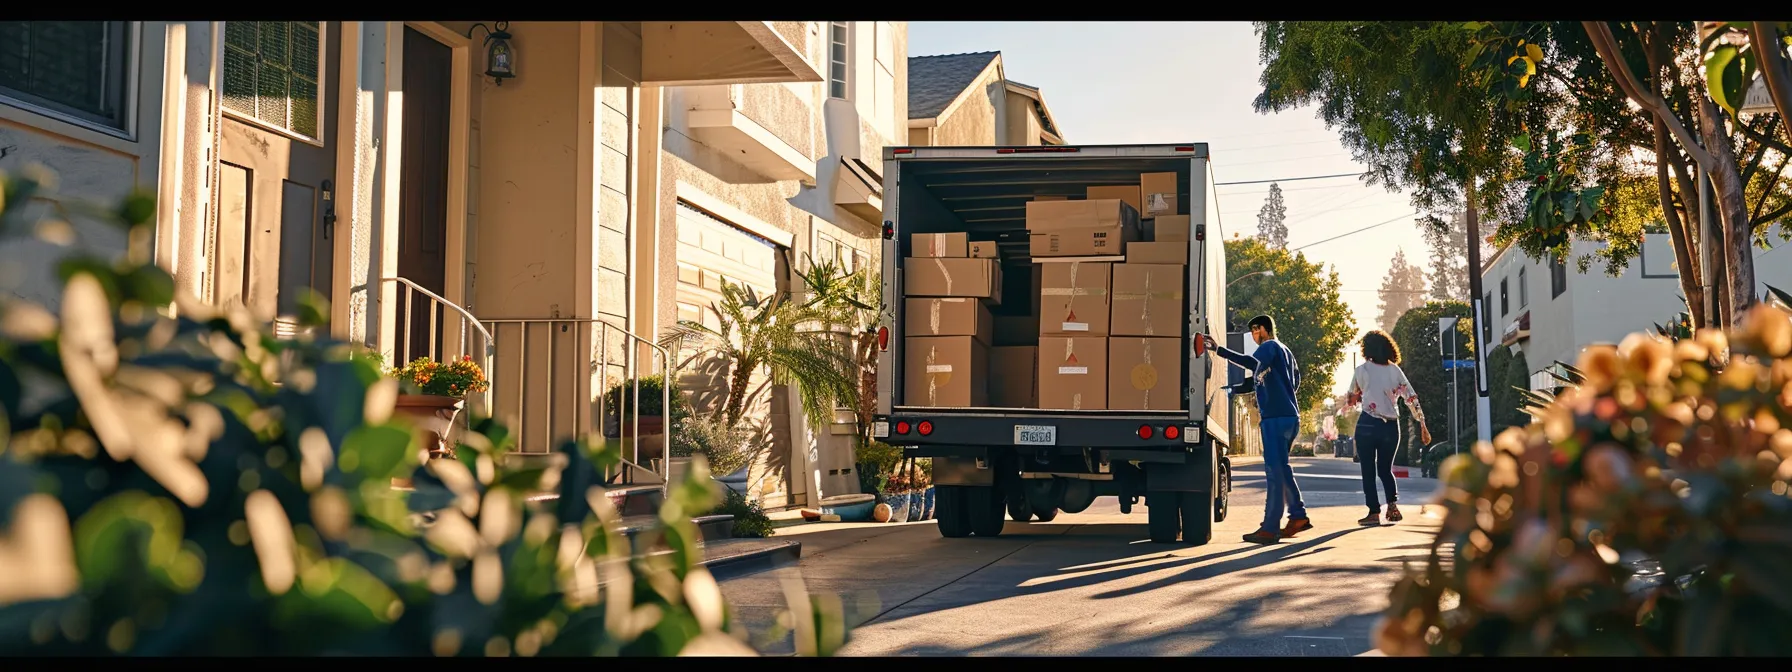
[
  {"x": 1289, "y": 179},
  {"x": 1414, "y": 213}
]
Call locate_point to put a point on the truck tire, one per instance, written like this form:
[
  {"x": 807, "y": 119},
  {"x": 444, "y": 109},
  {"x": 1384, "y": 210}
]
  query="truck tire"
[
  {"x": 1197, "y": 517},
  {"x": 953, "y": 514},
  {"x": 984, "y": 508},
  {"x": 1045, "y": 496},
  {"x": 1044, "y": 513},
  {"x": 1162, "y": 517},
  {"x": 1018, "y": 509}
]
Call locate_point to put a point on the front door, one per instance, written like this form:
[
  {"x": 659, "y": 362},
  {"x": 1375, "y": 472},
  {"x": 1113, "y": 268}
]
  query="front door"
[
  {"x": 276, "y": 167},
  {"x": 423, "y": 194}
]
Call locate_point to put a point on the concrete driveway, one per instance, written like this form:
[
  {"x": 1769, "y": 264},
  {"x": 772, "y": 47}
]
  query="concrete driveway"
[{"x": 1091, "y": 584}]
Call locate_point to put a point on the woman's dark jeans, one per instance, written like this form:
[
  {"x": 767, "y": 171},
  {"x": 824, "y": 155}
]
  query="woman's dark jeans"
[{"x": 1376, "y": 441}]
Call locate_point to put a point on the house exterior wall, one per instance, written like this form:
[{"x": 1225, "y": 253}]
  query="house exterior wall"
[
  {"x": 974, "y": 123},
  {"x": 104, "y": 162},
  {"x": 1024, "y": 127},
  {"x": 1597, "y": 308}
]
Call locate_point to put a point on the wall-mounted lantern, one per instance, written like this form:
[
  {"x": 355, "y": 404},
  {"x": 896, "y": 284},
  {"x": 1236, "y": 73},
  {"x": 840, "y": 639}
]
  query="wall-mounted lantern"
[{"x": 500, "y": 57}]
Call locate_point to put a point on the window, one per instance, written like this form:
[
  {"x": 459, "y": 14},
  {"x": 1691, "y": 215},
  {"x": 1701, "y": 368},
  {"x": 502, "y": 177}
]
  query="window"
[
  {"x": 1523, "y": 296},
  {"x": 837, "y": 60},
  {"x": 1505, "y": 305},
  {"x": 271, "y": 72},
  {"x": 76, "y": 68},
  {"x": 1487, "y": 317},
  {"x": 1558, "y": 277}
]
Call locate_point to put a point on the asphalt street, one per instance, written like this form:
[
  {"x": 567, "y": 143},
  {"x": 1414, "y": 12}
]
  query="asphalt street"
[{"x": 1092, "y": 584}]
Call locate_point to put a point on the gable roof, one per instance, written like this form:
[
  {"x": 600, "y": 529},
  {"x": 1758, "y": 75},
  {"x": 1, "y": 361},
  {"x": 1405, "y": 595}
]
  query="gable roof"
[{"x": 935, "y": 81}]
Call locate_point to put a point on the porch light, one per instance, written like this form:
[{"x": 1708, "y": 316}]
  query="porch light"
[{"x": 500, "y": 57}]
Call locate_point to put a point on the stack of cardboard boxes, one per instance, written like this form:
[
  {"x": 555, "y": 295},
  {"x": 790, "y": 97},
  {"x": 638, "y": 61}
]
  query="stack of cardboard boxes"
[
  {"x": 949, "y": 284},
  {"x": 1098, "y": 335}
]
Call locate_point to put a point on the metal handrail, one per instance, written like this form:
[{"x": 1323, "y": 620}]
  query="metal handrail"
[
  {"x": 631, "y": 373},
  {"x": 437, "y": 348}
]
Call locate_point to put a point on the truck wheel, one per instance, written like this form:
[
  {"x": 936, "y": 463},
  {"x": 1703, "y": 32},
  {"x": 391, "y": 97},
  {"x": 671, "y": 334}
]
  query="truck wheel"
[
  {"x": 1044, "y": 514},
  {"x": 953, "y": 514},
  {"x": 1018, "y": 509},
  {"x": 1197, "y": 517},
  {"x": 1222, "y": 503},
  {"x": 984, "y": 508},
  {"x": 1161, "y": 517}
]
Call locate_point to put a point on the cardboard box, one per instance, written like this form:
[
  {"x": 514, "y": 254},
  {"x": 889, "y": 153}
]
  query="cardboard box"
[
  {"x": 1145, "y": 374},
  {"x": 1148, "y": 300},
  {"x": 1169, "y": 228},
  {"x": 1129, "y": 193},
  {"x": 1081, "y": 242},
  {"x": 937, "y": 276},
  {"x": 934, "y": 245},
  {"x": 1159, "y": 191},
  {"x": 946, "y": 371},
  {"x": 1058, "y": 215},
  {"x": 1014, "y": 377},
  {"x": 1073, "y": 298},
  {"x": 1012, "y": 330},
  {"x": 1172, "y": 252},
  {"x": 956, "y": 316},
  {"x": 1051, "y": 198},
  {"x": 1073, "y": 373},
  {"x": 983, "y": 249}
]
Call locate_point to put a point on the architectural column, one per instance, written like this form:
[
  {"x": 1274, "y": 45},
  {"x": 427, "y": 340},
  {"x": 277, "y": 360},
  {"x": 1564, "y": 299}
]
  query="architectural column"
[{"x": 368, "y": 151}]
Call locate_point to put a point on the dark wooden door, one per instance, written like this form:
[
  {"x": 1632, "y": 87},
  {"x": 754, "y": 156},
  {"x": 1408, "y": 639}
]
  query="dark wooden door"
[
  {"x": 423, "y": 192},
  {"x": 276, "y": 166}
]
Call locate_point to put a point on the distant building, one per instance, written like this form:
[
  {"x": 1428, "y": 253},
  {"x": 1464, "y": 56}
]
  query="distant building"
[
  {"x": 966, "y": 100},
  {"x": 1551, "y": 312}
]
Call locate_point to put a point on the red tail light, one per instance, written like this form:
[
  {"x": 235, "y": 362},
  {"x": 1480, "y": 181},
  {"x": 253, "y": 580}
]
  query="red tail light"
[
  {"x": 1172, "y": 432},
  {"x": 1200, "y": 346},
  {"x": 926, "y": 428},
  {"x": 883, "y": 338},
  {"x": 902, "y": 427},
  {"x": 1144, "y": 431},
  {"x": 889, "y": 231}
]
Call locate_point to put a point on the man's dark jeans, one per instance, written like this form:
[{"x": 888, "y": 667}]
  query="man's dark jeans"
[{"x": 1376, "y": 442}]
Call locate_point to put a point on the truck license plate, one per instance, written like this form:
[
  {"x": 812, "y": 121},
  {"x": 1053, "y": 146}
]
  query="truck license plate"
[
  {"x": 880, "y": 430},
  {"x": 1035, "y": 435}
]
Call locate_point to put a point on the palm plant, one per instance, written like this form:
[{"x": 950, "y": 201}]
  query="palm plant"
[
  {"x": 776, "y": 333},
  {"x": 855, "y": 299}
]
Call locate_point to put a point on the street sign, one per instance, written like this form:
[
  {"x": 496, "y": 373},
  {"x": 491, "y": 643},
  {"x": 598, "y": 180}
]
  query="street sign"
[
  {"x": 1458, "y": 364},
  {"x": 1444, "y": 326}
]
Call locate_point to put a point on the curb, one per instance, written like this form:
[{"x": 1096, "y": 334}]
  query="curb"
[{"x": 777, "y": 554}]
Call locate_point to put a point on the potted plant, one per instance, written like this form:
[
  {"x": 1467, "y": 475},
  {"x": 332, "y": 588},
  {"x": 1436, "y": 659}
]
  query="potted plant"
[
  {"x": 895, "y": 498},
  {"x": 431, "y": 395},
  {"x": 620, "y": 418},
  {"x": 924, "y": 472}
]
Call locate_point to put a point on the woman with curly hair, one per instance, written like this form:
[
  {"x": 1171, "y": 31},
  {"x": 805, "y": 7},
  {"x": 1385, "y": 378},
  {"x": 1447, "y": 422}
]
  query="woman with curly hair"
[{"x": 1379, "y": 385}]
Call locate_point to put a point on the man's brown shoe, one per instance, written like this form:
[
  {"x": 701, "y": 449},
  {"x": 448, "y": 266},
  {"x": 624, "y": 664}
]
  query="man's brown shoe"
[
  {"x": 1263, "y": 537},
  {"x": 1296, "y": 526}
]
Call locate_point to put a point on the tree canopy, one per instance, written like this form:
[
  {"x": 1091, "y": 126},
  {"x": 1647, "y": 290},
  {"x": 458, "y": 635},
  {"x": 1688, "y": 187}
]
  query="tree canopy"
[
  {"x": 1403, "y": 289},
  {"x": 1304, "y": 298}
]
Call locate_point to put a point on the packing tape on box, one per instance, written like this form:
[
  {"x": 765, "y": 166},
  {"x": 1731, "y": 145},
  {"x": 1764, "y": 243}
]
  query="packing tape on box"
[
  {"x": 941, "y": 263},
  {"x": 1076, "y": 398},
  {"x": 1146, "y": 297},
  {"x": 1156, "y": 204},
  {"x": 936, "y": 245},
  {"x": 933, "y": 381},
  {"x": 933, "y": 317}
]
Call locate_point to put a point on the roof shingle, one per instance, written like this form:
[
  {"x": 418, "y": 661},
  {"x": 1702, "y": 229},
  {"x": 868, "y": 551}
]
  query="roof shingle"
[{"x": 935, "y": 81}]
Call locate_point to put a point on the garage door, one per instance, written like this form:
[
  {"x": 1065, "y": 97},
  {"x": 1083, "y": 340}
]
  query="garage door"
[{"x": 710, "y": 251}]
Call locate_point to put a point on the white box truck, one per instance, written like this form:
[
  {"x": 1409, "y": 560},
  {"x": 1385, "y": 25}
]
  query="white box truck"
[{"x": 1031, "y": 463}]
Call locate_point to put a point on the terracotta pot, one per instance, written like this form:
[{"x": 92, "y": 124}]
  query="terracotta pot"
[
  {"x": 431, "y": 417},
  {"x": 652, "y": 438}
]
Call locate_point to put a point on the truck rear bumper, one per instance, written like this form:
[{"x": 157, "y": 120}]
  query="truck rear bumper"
[{"x": 930, "y": 429}]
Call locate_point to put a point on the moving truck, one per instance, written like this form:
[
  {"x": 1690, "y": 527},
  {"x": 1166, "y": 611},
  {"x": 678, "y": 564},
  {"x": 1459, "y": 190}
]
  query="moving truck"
[{"x": 1035, "y": 335}]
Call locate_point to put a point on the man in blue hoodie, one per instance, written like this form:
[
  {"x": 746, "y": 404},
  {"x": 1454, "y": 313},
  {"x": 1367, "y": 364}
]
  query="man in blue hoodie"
[{"x": 1277, "y": 377}]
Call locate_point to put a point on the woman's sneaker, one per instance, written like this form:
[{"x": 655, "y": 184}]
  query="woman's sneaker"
[{"x": 1371, "y": 519}]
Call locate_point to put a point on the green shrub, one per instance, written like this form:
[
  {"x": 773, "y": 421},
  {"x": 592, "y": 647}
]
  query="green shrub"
[
  {"x": 750, "y": 521},
  {"x": 1679, "y": 454},
  {"x": 726, "y": 448},
  {"x": 198, "y": 486}
]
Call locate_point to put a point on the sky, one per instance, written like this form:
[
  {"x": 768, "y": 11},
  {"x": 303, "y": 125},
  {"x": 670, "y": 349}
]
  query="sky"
[{"x": 1166, "y": 82}]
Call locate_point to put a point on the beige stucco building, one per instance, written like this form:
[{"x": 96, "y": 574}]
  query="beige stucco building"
[
  {"x": 966, "y": 100},
  {"x": 556, "y": 221}
]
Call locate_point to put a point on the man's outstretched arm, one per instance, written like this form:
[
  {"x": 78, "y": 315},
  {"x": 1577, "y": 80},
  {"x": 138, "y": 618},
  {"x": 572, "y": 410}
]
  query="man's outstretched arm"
[{"x": 1238, "y": 359}]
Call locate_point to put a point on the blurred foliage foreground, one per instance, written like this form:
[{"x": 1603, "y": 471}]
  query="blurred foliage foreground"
[
  {"x": 194, "y": 485},
  {"x": 1645, "y": 512}
]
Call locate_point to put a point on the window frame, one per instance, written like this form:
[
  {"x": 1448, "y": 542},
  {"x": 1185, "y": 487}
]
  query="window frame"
[
  {"x": 323, "y": 87},
  {"x": 129, "y": 76},
  {"x": 1523, "y": 294},
  {"x": 1558, "y": 277},
  {"x": 844, "y": 81},
  {"x": 1505, "y": 299}
]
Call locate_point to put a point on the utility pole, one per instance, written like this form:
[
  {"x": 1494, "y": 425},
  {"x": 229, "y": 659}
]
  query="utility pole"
[{"x": 1483, "y": 405}]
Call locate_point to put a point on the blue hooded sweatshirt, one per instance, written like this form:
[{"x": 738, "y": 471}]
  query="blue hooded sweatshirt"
[{"x": 1277, "y": 374}]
